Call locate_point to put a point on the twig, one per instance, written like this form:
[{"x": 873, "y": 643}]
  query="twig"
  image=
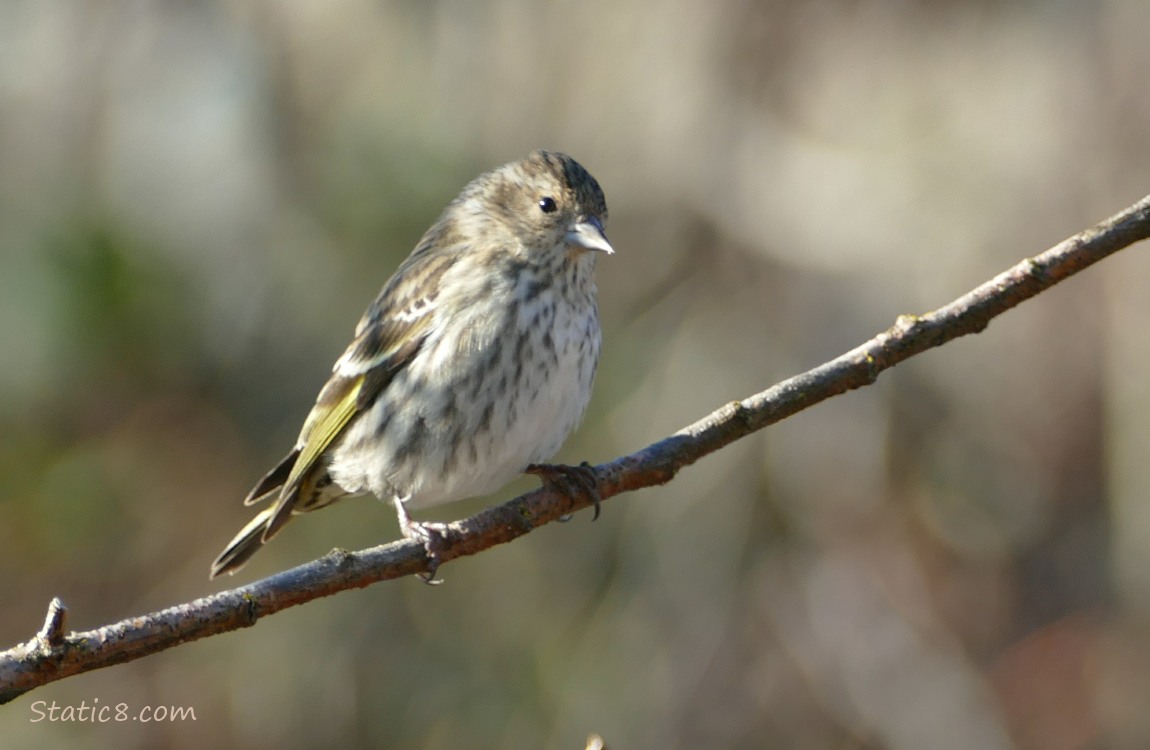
[
  {"x": 52, "y": 632},
  {"x": 51, "y": 655}
]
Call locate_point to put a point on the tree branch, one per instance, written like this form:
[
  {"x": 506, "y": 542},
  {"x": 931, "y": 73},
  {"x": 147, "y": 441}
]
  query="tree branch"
[{"x": 51, "y": 655}]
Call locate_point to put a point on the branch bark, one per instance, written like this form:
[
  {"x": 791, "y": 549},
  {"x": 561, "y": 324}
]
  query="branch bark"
[{"x": 52, "y": 655}]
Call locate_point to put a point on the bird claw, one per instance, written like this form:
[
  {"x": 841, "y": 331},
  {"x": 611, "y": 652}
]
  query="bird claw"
[
  {"x": 433, "y": 537},
  {"x": 576, "y": 480}
]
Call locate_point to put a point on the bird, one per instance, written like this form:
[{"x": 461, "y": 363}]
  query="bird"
[{"x": 471, "y": 366}]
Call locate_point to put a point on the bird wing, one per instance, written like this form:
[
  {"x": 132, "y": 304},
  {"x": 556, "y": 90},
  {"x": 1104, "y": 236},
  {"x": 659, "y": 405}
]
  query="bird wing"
[
  {"x": 378, "y": 353},
  {"x": 387, "y": 338}
]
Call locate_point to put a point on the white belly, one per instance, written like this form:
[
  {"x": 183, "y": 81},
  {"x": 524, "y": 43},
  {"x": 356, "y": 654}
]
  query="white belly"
[{"x": 483, "y": 419}]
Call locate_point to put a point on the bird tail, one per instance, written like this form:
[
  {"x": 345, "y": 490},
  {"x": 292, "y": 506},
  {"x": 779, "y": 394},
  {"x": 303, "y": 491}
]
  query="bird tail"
[{"x": 246, "y": 543}]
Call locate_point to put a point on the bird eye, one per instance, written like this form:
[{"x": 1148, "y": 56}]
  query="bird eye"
[{"x": 547, "y": 205}]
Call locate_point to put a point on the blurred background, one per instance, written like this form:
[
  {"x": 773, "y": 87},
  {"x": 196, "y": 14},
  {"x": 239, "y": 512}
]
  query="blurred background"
[{"x": 198, "y": 199}]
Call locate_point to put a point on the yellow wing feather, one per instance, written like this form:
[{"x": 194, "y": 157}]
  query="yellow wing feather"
[{"x": 318, "y": 437}]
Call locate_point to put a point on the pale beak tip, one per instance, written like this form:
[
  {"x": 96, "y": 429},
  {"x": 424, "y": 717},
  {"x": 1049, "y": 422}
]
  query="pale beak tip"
[{"x": 589, "y": 235}]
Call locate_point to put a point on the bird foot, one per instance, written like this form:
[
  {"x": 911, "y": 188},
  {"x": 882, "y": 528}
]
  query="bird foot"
[
  {"x": 571, "y": 480},
  {"x": 433, "y": 537}
]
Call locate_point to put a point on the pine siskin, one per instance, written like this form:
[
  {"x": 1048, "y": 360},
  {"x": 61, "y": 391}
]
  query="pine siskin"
[{"x": 473, "y": 364}]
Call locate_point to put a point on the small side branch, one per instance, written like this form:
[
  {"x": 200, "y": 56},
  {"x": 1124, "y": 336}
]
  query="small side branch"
[{"x": 51, "y": 634}]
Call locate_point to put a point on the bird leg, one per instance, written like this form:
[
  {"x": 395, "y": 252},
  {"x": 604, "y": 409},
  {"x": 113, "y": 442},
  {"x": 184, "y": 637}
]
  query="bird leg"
[
  {"x": 431, "y": 535},
  {"x": 570, "y": 480}
]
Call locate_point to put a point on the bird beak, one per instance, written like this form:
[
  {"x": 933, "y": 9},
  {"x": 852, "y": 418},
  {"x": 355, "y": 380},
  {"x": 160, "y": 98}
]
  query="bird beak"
[{"x": 588, "y": 234}]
